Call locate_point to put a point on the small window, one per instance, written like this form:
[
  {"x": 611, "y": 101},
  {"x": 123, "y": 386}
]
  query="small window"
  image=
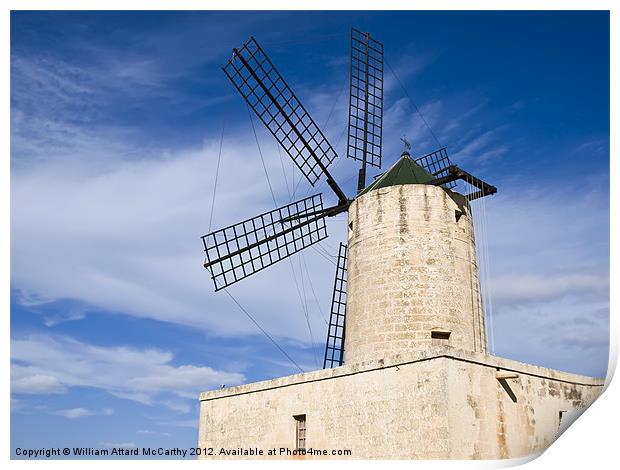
[
  {"x": 300, "y": 432},
  {"x": 561, "y": 414},
  {"x": 440, "y": 337}
]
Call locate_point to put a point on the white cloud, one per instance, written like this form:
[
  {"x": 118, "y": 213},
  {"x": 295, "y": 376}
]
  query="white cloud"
[
  {"x": 152, "y": 433},
  {"x": 73, "y": 413},
  {"x": 410, "y": 62},
  {"x": 549, "y": 274},
  {"x": 538, "y": 288},
  {"x": 115, "y": 226},
  {"x": 140, "y": 397},
  {"x": 481, "y": 148},
  {"x": 147, "y": 375},
  {"x": 553, "y": 230},
  {"x": 36, "y": 384},
  {"x": 476, "y": 144},
  {"x": 127, "y": 239},
  {"x": 569, "y": 334}
]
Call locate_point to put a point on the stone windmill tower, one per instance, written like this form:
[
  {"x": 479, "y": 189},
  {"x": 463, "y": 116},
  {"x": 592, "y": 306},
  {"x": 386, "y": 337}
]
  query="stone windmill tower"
[
  {"x": 407, "y": 373},
  {"x": 412, "y": 279}
]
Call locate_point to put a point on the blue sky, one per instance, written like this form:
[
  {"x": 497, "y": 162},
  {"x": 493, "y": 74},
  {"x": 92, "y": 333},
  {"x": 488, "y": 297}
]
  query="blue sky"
[{"x": 116, "y": 119}]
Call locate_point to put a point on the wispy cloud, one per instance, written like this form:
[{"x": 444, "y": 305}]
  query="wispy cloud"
[
  {"x": 410, "y": 62},
  {"x": 550, "y": 276},
  {"x": 594, "y": 147},
  {"x": 532, "y": 288},
  {"x": 37, "y": 383},
  {"x": 144, "y": 375},
  {"x": 518, "y": 105},
  {"x": 405, "y": 121},
  {"x": 567, "y": 333},
  {"x": 159, "y": 206},
  {"x": 152, "y": 433},
  {"x": 482, "y": 147},
  {"x": 73, "y": 413},
  {"x": 118, "y": 216}
]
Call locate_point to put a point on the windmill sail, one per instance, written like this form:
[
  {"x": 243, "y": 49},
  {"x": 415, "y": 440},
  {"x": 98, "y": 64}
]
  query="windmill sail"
[
  {"x": 437, "y": 164},
  {"x": 334, "y": 348},
  {"x": 240, "y": 250},
  {"x": 365, "y": 99},
  {"x": 264, "y": 89}
]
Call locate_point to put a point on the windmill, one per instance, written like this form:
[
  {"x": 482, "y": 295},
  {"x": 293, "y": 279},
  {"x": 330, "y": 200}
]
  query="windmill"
[{"x": 240, "y": 250}]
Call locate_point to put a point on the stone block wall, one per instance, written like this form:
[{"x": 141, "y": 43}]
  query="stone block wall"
[
  {"x": 411, "y": 270},
  {"x": 437, "y": 404}
]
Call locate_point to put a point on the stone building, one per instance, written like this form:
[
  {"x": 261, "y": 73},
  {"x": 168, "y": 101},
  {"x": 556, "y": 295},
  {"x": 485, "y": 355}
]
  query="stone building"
[{"x": 418, "y": 381}]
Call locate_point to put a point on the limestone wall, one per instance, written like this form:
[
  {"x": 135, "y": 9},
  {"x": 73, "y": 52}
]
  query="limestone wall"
[
  {"x": 435, "y": 404},
  {"x": 360, "y": 412},
  {"x": 411, "y": 269},
  {"x": 512, "y": 417}
]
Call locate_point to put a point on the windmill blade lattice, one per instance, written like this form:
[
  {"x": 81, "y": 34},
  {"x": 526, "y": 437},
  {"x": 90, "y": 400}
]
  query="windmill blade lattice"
[
  {"x": 264, "y": 89},
  {"x": 365, "y": 99},
  {"x": 437, "y": 164},
  {"x": 240, "y": 250},
  {"x": 334, "y": 347}
]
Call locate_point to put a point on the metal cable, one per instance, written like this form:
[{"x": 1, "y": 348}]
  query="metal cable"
[
  {"x": 316, "y": 300},
  {"x": 237, "y": 303},
  {"x": 276, "y": 205},
  {"x": 260, "y": 152},
  {"x": 307, "y": 311},
  {"x": 262, "y": 330},
  {"x": 217, "y": 172},
  {"x": 487, "y": 273},
  {"x": 415, "y": 106}
]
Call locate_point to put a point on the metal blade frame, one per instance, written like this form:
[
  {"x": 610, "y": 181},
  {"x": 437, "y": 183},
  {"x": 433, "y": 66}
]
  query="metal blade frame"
[
  {"x": 242, "y": 249},
  {"x": 437, "y": 164},
  {"x": 455, "y": 173},
  {"x": 334, "y": 347},
  {"x": 267, "y": 93},
  {"x": 365, "y": 99}
]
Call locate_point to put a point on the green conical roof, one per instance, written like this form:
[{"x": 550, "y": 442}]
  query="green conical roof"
[{"x": 404, "y": 171}]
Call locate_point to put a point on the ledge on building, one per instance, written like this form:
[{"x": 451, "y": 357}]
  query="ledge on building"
[{"x": 503, "y": 366}]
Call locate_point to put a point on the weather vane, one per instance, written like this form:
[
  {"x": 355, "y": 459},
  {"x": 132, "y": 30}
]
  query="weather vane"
[{"x": 406, "y": 143}]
